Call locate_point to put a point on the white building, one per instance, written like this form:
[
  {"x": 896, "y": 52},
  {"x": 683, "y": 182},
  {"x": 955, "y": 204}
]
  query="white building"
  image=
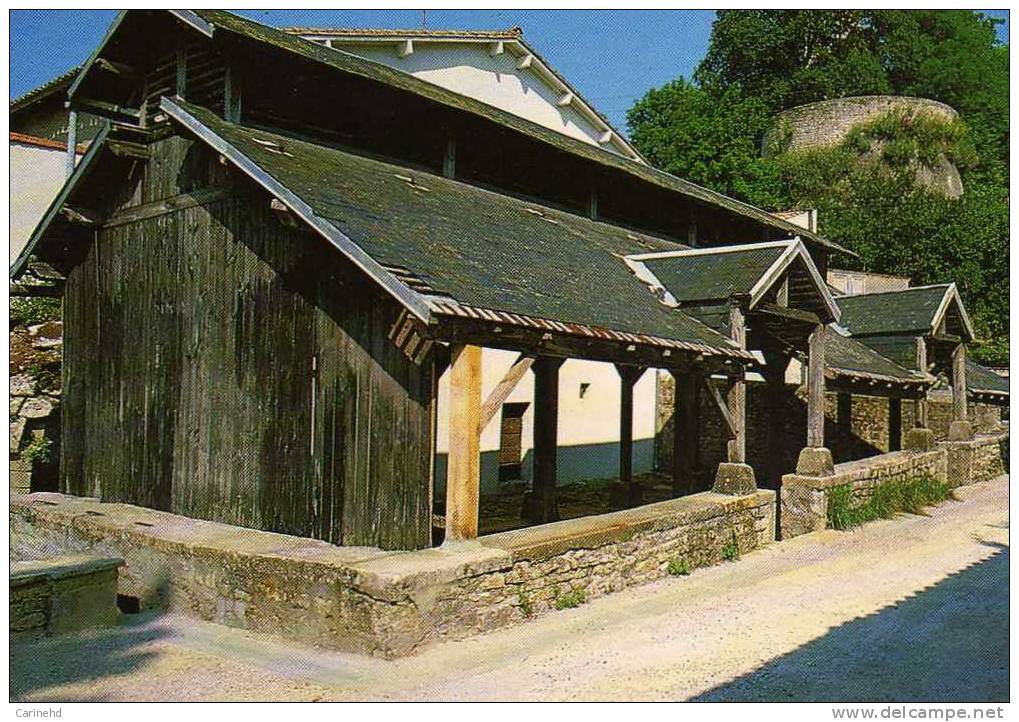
[{"x": 501, "y": 69}]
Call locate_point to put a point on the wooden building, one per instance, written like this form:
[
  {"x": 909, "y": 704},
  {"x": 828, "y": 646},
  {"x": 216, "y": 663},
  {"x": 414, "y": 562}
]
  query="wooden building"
[{"x": 276, "y": 249}]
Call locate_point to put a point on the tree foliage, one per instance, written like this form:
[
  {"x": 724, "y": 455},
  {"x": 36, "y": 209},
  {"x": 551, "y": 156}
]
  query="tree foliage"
[{"x": 710, "y": 131}]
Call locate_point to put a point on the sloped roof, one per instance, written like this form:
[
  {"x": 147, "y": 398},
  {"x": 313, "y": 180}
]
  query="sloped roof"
[
  {"x": 378, "y": 72},
  {"x": 982, "y": 380},
  {"x": 913, "y": 310},
  {"x": 51, "y": 86},
  {"x": 514, "y": 33},
  {"x": 849, "y": 358},
  {"x": 460, "y": 244}
]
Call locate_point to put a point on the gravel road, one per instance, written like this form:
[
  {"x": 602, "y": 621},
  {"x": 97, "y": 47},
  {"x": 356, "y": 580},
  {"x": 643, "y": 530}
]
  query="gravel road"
[{"x": 914, "y": 608}]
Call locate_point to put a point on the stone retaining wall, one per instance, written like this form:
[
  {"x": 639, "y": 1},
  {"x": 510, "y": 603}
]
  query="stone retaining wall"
[
  {"x": 389, "y": 603},
  {"x": 804, "y": 499}
]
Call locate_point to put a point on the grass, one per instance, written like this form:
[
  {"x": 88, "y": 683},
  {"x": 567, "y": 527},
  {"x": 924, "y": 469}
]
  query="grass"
[
  {"x": 570, "y": 599},
  {"x": 678, "y": 567},
  {"x": 889, "y": 499}
]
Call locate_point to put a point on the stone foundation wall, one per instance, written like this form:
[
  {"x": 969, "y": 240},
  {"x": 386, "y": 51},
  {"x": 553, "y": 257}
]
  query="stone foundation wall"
[
  {"x": 804, "y": 499},
  {"x": 389, "y": 603}
]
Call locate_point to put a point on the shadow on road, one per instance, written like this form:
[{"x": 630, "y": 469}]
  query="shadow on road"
[
  {"x": 946, "y": 643},
  {"x": 40, "y": 668}
]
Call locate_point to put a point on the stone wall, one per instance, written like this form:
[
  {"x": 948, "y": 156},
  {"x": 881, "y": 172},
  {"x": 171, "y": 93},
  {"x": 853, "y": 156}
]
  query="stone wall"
[
  {"x": 389, "y": 603},
  {"x": 867, "y": 437},
  {"x": 35, "y": 406},
  {"x": 828, "y": 122},
  {"x": 63, "y": 594},
  {"x": 804, "y": 499}
]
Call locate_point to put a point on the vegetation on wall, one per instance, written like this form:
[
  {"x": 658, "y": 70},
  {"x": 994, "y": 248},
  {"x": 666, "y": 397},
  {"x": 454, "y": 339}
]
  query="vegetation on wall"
[
  {"x": 710, "y": 130},
  {"x": 887, "y": 500}
]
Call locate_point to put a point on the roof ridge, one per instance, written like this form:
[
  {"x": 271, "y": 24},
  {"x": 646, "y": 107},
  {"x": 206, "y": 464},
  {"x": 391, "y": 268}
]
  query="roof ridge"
[
  {"x": 511, "y": 33},
  {"x": 899, "y": 290}
]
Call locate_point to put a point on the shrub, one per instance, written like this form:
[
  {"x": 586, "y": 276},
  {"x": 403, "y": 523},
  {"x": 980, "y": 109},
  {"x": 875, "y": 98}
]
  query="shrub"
[
  {"x": 525, "y": 603},
  {"x": 37, "y": 450},
  {"x": 678, "y": 567}
]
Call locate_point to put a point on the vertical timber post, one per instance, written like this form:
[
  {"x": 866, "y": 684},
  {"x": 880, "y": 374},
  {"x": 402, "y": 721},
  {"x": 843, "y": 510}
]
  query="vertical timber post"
[
  {"x": 920, "y": 437},
  {"x": 540, "y": 505},
  {"x": 734, "y": 476},
  {"x": 844, "y": 414},
  {"x": 684, "y": 430},
  {"x": 815, "y": 459},
  {"x": 961, "y": 429},
  {"x": 737, "y": 447},
  {"x": 894, "y": 424},
  {"x": 72, "y": 142},
  {"x": 464, "y": 466},
  {"x": 628, "y": 376}
]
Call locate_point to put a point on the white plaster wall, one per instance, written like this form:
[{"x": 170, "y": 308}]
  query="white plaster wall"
[
  {"x": 37, "y": 174},
  {"x": 468, "y": 69},
  {"x": 588, "y": 427}
]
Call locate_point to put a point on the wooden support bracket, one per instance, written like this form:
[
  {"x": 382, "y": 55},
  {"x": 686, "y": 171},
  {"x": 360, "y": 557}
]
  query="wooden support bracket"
[
  {"x": 504, "y": 388},
  {"x": 723, "y": 407}
]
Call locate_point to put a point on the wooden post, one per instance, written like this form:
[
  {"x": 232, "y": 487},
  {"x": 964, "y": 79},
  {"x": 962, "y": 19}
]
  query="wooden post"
[
  {"x": 737, "y": 401},
  {"x": 628, "y": 376},
  {"x": 844, "y": 413},
  {"x": 959, "y": 409},
  {"x": 72, "y": 143},
  {"x": 920, "y": 403},
  {"x": 449, "y": 158},
  {"x": 815, "y": 389},
  {"x": 541, "y": 506},
  {"x": 684, "y": 431},
  {"x": 894, "y": 424},
  {"x": 463, "y": 478}
]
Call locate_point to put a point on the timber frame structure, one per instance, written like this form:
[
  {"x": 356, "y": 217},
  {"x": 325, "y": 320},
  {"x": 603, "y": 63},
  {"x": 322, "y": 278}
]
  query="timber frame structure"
[{"x": 263, "y": 290}]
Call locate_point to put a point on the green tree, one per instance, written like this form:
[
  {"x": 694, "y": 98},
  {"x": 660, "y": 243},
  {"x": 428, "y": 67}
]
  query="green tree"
[
  {"x": 710, "y": 139},
  {"x": 762, "y": 61}
]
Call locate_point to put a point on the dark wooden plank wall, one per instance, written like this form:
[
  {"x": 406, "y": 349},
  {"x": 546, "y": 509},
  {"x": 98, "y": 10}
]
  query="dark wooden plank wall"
[{"x": 226, "y": 367}]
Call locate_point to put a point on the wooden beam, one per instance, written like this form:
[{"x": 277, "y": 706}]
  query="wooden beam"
[
  {"x": 496, "y": 48},
  {"x": 104, "y": 109},
  {"x": 782, "y": 293},
  {"x": 894, "y": 424},
  {"x": 449, "y": 158},
  {"x": 182, "y": 69},
  {"x": 128, "y": 149},
  {"x": 960, "y": 411},
  {"x": 232, "y": 92},
  {"x": 788, "y": 314},
  {"x": 920, "y": 404},
  {"x": 737, "y": 401},
  {"x": 81, "y": 216},
  {"x": 405, "y": 48},
  {"x": 628, "y": 376},
  {"x": 463, "y": 478},
  {"x": 122, "y": 69},
  {"x": 525, "y": 62},
  {"x": 815, "y": 389},
  {"x": 541, "y": 506},
  {"x": 684, "y": 431},
  {"x": 504, "y": 388},
  {"x": 565, "y": 99},
  {"x": 723, "y": 407}
]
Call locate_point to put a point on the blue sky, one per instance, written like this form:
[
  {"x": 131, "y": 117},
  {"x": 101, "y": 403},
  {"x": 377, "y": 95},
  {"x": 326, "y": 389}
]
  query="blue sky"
[{"x": 611, "y": 57}]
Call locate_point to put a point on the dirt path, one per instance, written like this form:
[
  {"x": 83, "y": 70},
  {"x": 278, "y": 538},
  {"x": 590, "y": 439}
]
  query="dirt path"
[{"x": 912, "y": 608}]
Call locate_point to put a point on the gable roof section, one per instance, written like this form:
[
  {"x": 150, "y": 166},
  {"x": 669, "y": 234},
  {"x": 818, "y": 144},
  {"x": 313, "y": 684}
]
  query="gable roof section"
[
  {"x": 355, "y": 65},
  {"x": 984, "y": 382},
  {"x": 498, "y": 41},
  {"x": 916, "y": 310},
  {"x": 54, "y": 85},
  {"x": 848, "y": 358},
  {"x": 713, "y": 275}
]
